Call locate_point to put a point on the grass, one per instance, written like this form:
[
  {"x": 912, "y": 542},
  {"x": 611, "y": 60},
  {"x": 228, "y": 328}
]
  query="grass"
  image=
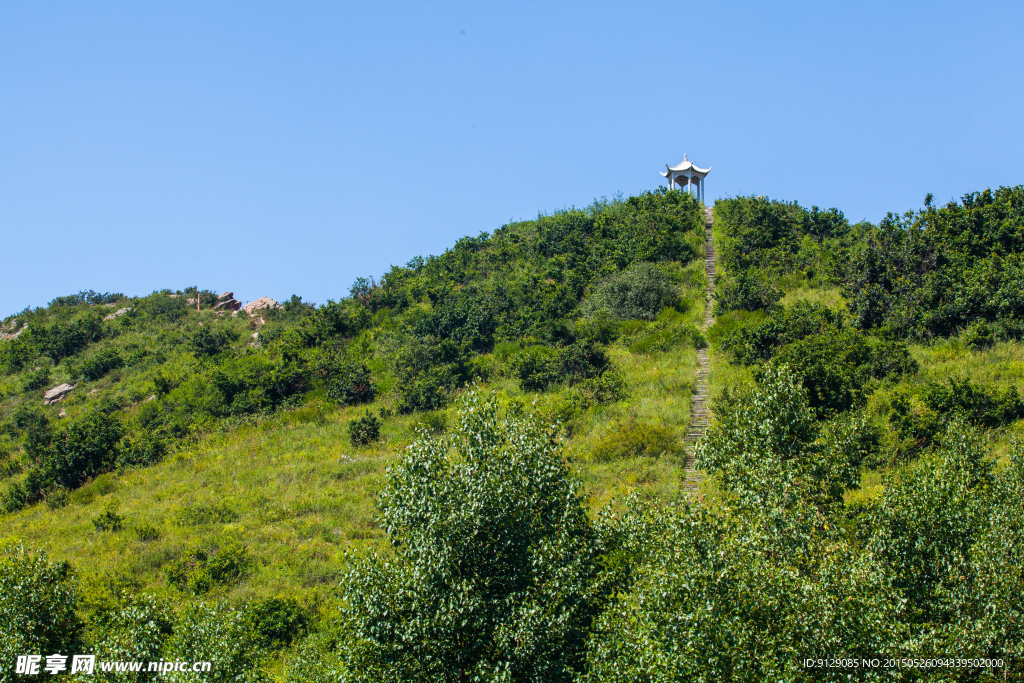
[{"x": 294, "y": 491}]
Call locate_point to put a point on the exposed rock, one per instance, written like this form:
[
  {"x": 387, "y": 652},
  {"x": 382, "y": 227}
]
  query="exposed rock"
[
  {"x": 58, "y": 393},
  {"x": 13, "y": 335},
  {"x": 117, "y": 314},
  {"x": 229, "y": 304},
  {"x": 255, "y": 335},
  {"x": 94, "y": 391},
  {"x": 226, "y": 295},
  {"x": 263, "y": 303},
  {"x": 174, "y": 296},
  {"x": 258, "y": 321},
  {"x": 151, "y": 398},
  {"x": 63, "y": 413},
  {"x": 190, "y": 301}
]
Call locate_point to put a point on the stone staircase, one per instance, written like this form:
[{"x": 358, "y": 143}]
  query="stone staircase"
[{"x": 699, "y": 403}]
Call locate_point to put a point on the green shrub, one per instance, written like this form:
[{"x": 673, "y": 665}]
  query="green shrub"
[
  {"x": 983, "y": 406},
  {"x": 221, "y": 635},
  {"x": 65, "y": 339},
  {"x": 207, "y": 341},
  {"x": 35, "y": 425},
  {"x": 538, "y": 367},
  {"x": 84, "y": 448},
  {"x": 746, "y": 291},
  {"x": 638, "y": 293},
  {"x": 99, "y": 364},
  {"x": 144, "y": 532},
  {"x": 633, "y": 439},
  {"x": 428, "y": 371},
  {"x": 38, "y": 603},
  {"x": 108, "y": 520},
  {"x": 759, "y": 339},
  {"x": 278, "y": 621},
  {"x": 199, "y": 571},
  {"x": 346, "y": 381},
  {"x": 36, "y": 379},
  {"x": 364, "y": 430}
]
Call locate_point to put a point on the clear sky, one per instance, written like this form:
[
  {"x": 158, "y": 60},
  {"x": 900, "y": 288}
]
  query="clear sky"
[{"x": 273, "y": 148}]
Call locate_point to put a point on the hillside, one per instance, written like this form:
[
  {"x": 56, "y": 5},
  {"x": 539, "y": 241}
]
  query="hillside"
[{"x": 864, "y": 390}]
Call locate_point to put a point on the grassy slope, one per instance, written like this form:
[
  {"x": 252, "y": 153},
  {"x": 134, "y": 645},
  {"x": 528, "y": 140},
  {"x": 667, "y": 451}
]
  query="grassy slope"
[{"x": 304, "y": 496}]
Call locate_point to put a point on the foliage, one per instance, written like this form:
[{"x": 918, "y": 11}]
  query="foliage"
[
  {"x": 278, "y": 621},
  {"x": 347, "y": 381},
  {"x": 494, "y": 561},
  {"x": 99, "y": 364},
  {"x": 218, "y": 634},
  {"x": 982, "y": 406},
  {"x": 108, "y": 520},
  {"x": 747, "y": 291},
  {"x": 639, "y": 292},
  {"x": 38, "y": 599},
  {"x": 538, "y": 367},
  {"x": 364, "y": 430},
  {"x": 940, "y": 270},
  {"x": 198, "y": 571},
  {"x": 833, "y": 361},
  {"x": 771, "y": 453}
]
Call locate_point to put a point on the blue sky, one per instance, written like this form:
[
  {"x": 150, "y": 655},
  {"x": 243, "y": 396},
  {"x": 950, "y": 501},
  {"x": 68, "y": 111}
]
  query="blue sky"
[{"x": 273, "y": 148}]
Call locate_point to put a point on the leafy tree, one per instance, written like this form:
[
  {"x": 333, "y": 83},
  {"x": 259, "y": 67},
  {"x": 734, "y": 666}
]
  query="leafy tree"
[
  {"x": 218, "y": 634},
  {"x": 494, "y": 561},
  {"x": 927, "y": 521},
  {"x": 772, "y": 454},
  {"x": 38, "y": 599}
]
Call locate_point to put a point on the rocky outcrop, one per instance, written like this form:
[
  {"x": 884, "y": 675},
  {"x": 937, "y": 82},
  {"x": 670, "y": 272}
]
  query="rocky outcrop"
[
  {"x": 117, "y": 314},
  {"x": 229, "y": 304},
  {"x": 13, "y": 335},
  {"x": 225, "y": 296},
  {"x": 261, "y": 304},
  {"x": 58, "y": 393}
]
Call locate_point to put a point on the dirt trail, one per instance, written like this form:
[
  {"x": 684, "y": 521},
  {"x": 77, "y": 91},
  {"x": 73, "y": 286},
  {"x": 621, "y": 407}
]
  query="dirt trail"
[{"x": 699, "y": 405}]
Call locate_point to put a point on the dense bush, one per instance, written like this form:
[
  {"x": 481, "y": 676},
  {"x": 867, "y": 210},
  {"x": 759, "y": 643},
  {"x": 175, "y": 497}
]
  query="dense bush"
[
  {"x": 983, "y": 406},
  {"x": 208, "y": 341},
  {"x": 347, "y": 381},
  {"x": 99, "y": 364},
  {"x": 639, "y": 292},
  {"x": 746, "y": 291},
  {"x": 833, "y": 361},
  {"x": 364, "y": 430},
  {"x": 278, "y": 621},
  {"x": 941, "y": 270},
  {"x": 429, "y": 370},
  {"x": 538, "y": 367},
  {"x": 62, "y": 340},
  {"x": 198, "y": 571}
]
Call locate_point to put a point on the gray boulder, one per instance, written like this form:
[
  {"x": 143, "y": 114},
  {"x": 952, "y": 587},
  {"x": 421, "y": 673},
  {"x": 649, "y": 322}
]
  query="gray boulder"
[{"x": 58, "y": 393}]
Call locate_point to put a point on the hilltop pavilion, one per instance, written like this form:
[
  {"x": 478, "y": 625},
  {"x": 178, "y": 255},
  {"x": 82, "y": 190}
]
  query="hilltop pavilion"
[{"x": 693, "y": 175}]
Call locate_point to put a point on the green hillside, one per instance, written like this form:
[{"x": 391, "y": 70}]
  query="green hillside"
[{"x": 502, "y": 426}]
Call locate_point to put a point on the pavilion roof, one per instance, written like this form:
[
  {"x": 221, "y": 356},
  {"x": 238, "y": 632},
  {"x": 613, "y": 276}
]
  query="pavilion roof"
[{"x": 685, "y": 165}]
